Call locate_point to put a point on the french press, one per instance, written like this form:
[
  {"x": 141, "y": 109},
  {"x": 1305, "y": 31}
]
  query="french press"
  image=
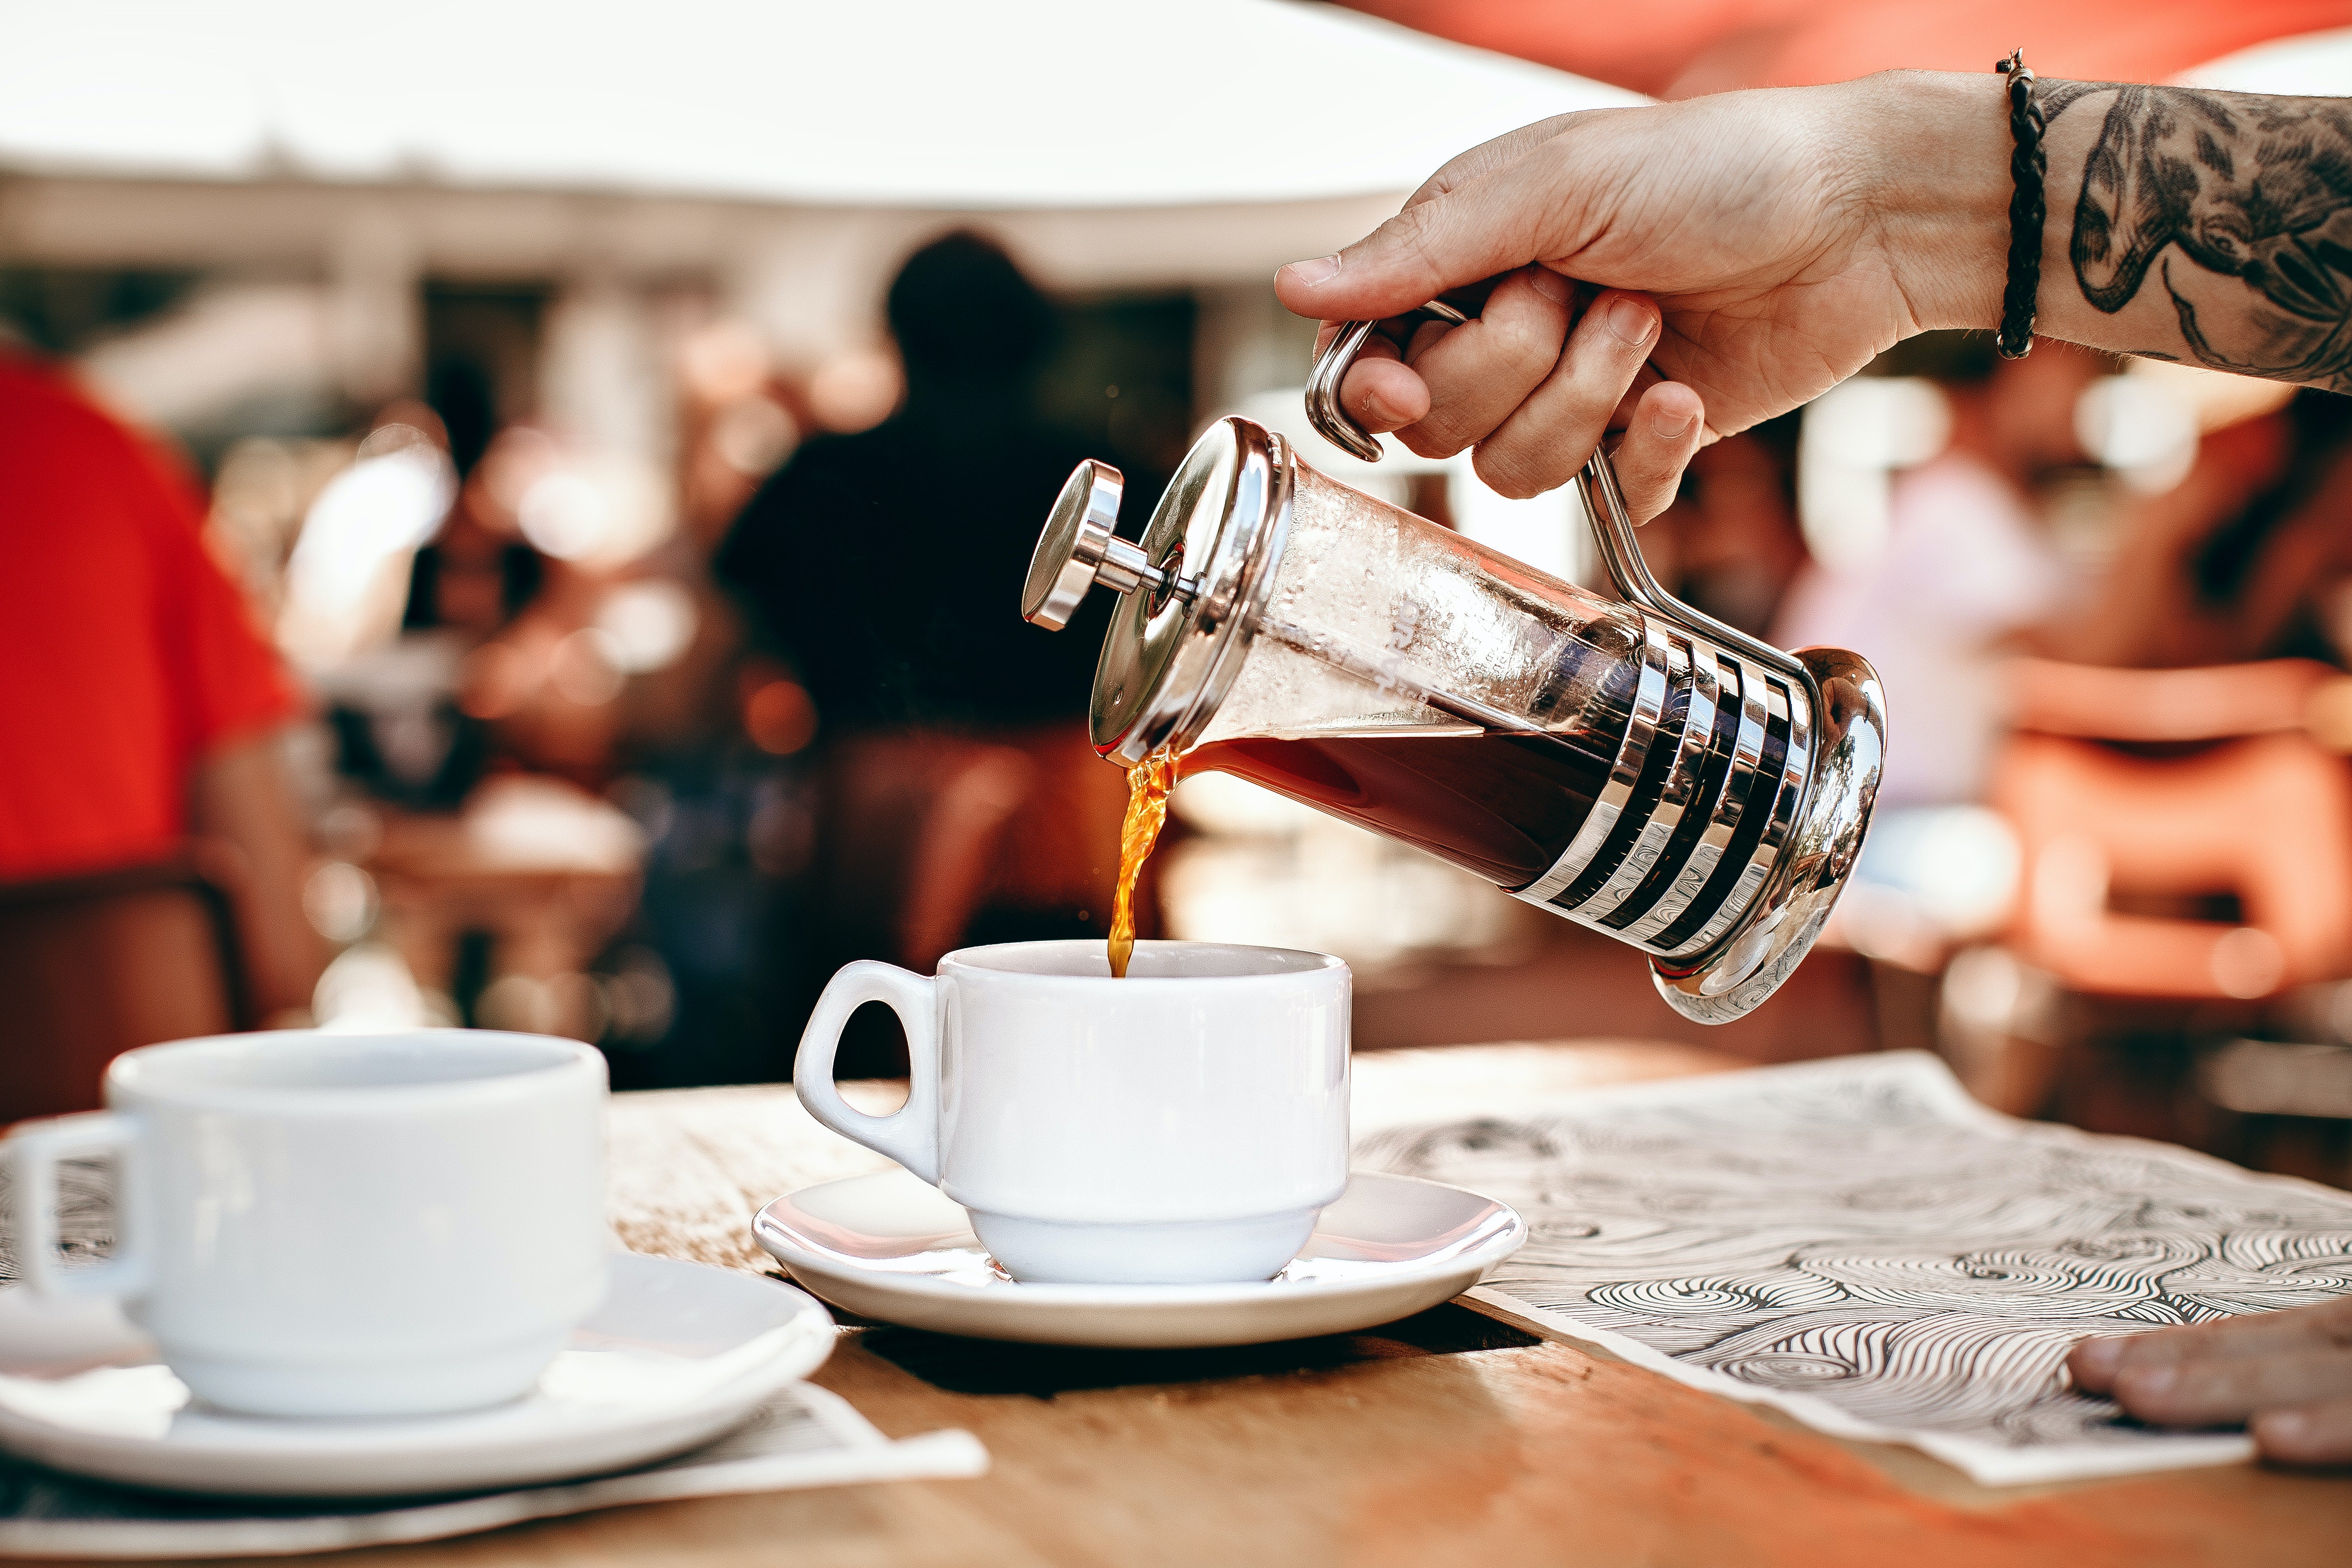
[{"x": 1636, "y": 766}]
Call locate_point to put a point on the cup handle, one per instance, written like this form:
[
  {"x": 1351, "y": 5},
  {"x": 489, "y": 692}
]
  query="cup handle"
[
  {"x": 910, "y": 1134},
  {"x": 33, "y": 1153}
]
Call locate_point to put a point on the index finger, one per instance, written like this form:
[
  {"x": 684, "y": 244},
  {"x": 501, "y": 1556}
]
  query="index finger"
[
  {"x": 2097, "y": 1362},
  {"x": 1507, "y": 148},
  {"x": 1494, "y": 224}
]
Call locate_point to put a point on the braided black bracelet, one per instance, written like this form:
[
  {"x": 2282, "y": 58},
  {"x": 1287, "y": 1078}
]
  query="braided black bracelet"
[{"x": 2028, "y": 165}]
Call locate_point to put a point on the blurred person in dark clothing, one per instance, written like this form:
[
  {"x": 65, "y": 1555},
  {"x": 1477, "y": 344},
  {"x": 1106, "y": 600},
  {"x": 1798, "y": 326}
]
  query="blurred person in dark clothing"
[
  {"x": 887, "y": 563},
  {"x": 961, "y": 800}
]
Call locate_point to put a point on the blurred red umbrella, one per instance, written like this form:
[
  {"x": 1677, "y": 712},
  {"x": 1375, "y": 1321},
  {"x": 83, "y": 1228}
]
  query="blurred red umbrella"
[{"x": 1677, "y": 48}]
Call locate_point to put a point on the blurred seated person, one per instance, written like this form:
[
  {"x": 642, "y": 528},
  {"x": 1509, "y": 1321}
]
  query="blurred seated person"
[
  {"x": 471, "y": 576},
  {"x": 141, "y": 709},
  {"x": 2182, "y": 836},
  {"x": 1966, "y": 569},
  {"x": 1967, "y": 574},
  {"x": 961, "y": 800},
  {"x": 2247, "y": 558}
]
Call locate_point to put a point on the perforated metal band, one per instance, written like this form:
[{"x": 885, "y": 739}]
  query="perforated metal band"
[
  {"x": 1788, "y": 701},
  {"x": 1633, "y": 752},
  {"x": 1744, "y": 688},
  {"x": 1674, "y": 796}
]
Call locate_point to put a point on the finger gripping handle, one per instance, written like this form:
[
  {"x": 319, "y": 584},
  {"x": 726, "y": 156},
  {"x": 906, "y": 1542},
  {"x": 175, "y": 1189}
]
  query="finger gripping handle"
[
  {"x": 1612, "y": 527},
  {"x": 910, "y": 1134},
  {"x": 33, "y": 1153},
  {"x": 1324, "y": 410}
]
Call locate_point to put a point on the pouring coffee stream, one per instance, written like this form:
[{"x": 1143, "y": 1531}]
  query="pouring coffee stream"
[
  {"x": 1635, "y": 766},
  {"x": 1148, "y": 785}
]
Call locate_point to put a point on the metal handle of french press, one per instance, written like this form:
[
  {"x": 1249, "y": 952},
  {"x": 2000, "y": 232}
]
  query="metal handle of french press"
[{"x": 1612, "y": 526}]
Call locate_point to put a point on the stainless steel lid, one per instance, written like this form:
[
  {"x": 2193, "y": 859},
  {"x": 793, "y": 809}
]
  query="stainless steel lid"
[{"x": 1191, "y": 585}]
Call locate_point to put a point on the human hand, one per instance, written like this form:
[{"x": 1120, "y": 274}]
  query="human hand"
[
  {"x": 2288, "y": 1375},
  {"x": 1532, "y": 383},
  {"x": 1787, "y": 236}
]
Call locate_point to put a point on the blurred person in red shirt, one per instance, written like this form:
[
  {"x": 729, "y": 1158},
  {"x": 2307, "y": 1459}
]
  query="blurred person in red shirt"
[{"x": 139, "y": 708}]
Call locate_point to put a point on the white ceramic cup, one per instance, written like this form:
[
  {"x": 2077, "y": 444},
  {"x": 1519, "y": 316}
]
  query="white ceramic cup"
[
  {"x": 1181, "y": 1126},
  {"x": 314, "y": 1224}
]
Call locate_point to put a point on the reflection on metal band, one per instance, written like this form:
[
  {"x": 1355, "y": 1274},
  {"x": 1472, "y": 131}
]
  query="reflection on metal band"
[
  {"x": 1643, "y": 855},
  {"x": 1787, "y": 700},
  {"x": 1845, "y": 734},
  {"x": 1641, "y": 730},
  {"x": 1746, "y": 687}
]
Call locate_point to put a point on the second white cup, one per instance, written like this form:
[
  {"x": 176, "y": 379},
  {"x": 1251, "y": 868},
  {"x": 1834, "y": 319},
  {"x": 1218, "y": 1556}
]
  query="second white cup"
[
  {"x": 1183, "y": 1125},
  {"x": 326, "y": 1225}
]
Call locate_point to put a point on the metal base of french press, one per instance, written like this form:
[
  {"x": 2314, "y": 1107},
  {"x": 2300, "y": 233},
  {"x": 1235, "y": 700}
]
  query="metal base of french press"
[{"x": 1734, "y": 976}]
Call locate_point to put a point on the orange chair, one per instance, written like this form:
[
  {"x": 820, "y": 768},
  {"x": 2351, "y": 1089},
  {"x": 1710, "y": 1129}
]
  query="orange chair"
[
  {"x": 2173, "y": 786},
  {"x": 91, "y": 966}
]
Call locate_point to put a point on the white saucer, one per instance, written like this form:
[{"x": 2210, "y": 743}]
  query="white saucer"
[
  {"x": 677, "y": 1354},
  {"x": 893, "y": 1247}
]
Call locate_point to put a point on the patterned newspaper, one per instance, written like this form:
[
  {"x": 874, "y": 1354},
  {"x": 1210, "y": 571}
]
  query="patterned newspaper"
[{"x": 1858, "y": 1243}]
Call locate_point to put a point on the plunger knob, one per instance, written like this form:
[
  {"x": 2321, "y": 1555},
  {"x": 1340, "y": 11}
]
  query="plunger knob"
[{"x": 1079, "y": 550}]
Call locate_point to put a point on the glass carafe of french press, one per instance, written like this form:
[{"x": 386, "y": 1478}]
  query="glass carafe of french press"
[{"x": 1635, "y": 766}]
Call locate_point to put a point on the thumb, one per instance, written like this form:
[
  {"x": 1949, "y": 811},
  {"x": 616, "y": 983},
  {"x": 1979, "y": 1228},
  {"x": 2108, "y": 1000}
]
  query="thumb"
[{"x": 1487, "y": 227}]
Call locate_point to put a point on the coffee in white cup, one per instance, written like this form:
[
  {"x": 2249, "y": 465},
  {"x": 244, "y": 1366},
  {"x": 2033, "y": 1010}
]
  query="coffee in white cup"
[
  {"x": 1183, "y": 1125},
  {"x": 314, "y": 1224}
]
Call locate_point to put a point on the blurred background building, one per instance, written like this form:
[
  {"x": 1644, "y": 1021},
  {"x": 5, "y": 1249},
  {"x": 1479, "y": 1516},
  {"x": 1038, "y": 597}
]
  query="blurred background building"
[{"x": 482, "y": 325}]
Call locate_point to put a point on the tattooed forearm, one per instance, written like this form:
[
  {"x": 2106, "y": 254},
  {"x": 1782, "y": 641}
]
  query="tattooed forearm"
[{"x": 2198, "y": 187}]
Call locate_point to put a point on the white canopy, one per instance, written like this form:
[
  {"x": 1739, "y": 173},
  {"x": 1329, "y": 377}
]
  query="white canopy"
[
  {"x": 937, "y": 104},
  {"x": 2310, "y": 65}
]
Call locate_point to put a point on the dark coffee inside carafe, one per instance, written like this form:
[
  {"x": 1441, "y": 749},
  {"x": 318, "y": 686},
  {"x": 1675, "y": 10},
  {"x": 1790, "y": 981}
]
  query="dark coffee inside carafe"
[{"x": 1501, "y": 805}]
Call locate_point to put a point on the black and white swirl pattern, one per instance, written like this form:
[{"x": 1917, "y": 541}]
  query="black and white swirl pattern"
[
  {"x": 85, "y": 1215},
  {"x": 1858, "y": 1233}
]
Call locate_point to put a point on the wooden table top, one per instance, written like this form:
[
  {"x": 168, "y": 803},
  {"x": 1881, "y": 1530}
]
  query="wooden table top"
[{"x": 1452, "y": 1437}]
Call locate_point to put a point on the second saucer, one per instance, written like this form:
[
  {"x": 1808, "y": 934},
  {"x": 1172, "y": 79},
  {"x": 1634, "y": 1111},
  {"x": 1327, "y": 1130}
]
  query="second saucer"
[{"x": 678, "y": 1353}]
